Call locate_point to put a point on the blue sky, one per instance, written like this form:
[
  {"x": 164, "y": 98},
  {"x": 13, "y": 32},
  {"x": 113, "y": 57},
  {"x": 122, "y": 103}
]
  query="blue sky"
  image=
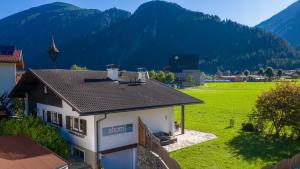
[{"x": 248, "y": 12}]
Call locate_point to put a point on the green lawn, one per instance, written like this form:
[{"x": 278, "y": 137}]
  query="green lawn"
[{"x": 233, "y": 148}]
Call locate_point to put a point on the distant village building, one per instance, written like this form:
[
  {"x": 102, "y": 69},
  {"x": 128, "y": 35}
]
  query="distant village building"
[
  {"x": 291, "y": 73},
  {"x": 103, "y": 114},
  {"x": 241, "y": 78},
  {"x": 186, "y": 70},
  {"x": 11, "y": 60},
  {"x": 233, "y": 78}
]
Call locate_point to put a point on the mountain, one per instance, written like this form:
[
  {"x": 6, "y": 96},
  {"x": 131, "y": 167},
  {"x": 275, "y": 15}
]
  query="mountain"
[
  {"x": 285, "y": 24},
  {"x": 146, "y": 38},
  {"x": 32, "y": 29}
]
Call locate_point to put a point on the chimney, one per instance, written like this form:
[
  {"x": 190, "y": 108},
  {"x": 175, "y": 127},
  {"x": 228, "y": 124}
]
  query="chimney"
[
  {"x": 112, "y": 72},
  {"x": 142, "y": 75}
]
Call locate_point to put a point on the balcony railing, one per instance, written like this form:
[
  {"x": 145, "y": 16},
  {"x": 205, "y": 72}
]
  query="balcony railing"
[{"x": 152, "y": 143}]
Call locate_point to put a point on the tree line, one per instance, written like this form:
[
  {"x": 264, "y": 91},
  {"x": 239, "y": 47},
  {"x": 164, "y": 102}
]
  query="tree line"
[{"x": 164, "y": 77}]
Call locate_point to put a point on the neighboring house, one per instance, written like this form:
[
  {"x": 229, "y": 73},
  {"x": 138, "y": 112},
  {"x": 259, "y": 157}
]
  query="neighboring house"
[
  {"x": 233, "y": 78},
  {"x": 20, "y": 152},
  {"x": 98, "y": 111},
  {"x": 256, "y": 78},
  {"x": 11, "y": 59}
]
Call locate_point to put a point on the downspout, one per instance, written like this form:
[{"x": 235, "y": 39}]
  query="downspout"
[{"x": 97, "y": 130}]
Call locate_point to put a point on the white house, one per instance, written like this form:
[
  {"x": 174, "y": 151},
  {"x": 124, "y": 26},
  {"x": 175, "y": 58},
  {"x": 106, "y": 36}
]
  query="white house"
[
  {"x": 10, "y": 59},
  {"x": 98, "y": 111}
]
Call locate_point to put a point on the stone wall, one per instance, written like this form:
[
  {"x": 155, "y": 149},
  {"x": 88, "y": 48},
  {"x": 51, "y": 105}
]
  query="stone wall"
[{"x": 148, "y": 160}]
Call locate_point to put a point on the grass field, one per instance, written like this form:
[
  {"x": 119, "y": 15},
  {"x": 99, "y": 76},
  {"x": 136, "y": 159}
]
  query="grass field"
[{"x": 233, "y": 148}]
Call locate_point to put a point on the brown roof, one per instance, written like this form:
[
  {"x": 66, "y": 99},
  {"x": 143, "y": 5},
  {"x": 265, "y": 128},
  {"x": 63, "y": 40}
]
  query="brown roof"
[
  {"x": 20, "y": 152},
  {"x": 91, "y": 92}
]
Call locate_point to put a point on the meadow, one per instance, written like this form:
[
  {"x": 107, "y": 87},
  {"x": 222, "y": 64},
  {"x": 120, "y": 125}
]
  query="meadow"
[{"x": 233, "y": 148}]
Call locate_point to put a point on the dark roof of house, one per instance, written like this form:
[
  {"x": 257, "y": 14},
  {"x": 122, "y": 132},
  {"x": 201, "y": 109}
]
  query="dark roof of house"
[
  {"x": 20, "y": 152},
  {"x": 91, "y": 92}
]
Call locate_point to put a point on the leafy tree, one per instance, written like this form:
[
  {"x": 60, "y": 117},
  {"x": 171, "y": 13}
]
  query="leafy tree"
[
  {"x": 269, "y": 72},
  {"x": 76, "y": 67},
  {"x": 36, "y": 129},
  {"x": 161, "y": 76},
  {"x": 170, "y": 77},
  {"x": 152, "y": 74},
  {"x": 6, "y": 104},
  {"x": 279, "y": 73},
  {"x": 261, "y": 72},
  {"x": 246, "y": 72},
  {"x": 279, "y": 108}
]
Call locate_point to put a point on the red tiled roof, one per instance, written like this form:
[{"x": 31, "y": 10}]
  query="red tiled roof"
[
  {"x": 20, "y": 152},
  {"x": 15, "y": 58}
]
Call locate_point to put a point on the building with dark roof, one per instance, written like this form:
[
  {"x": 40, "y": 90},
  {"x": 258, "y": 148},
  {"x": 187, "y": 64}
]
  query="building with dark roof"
[
  {"x": 20, "y": 152},
  {"x": 11, "y": 59},
  {"x": 98, "y": 111}
]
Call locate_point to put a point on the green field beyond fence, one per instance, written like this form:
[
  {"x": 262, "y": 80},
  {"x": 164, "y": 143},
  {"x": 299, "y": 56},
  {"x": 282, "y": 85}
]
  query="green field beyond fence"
[{"x": 233, "y": 148}]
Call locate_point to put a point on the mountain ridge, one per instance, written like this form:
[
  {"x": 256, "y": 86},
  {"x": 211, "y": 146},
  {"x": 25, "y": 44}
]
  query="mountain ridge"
[
  {"x": 146, "y": 38},
  {"x": 286, "y": 23}
]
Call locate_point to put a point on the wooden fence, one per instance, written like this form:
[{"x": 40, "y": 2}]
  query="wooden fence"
[
  {"x": 293, "y": 163},
  {"x": 148, "y": 140}
]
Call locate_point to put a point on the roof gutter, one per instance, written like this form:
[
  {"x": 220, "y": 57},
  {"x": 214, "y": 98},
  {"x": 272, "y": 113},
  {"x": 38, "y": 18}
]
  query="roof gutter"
[{"x": 97, "y": 130}]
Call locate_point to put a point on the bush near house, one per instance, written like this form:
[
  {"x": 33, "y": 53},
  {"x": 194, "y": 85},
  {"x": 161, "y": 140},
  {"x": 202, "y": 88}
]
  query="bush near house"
[
  {"x": 36, "y": 129},
  {"x": 278, "y": 110}
]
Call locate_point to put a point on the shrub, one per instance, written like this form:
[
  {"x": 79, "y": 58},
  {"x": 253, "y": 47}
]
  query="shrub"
[
  {"x": 279, "y": 109},
  {"x": 36, "y": 129},
  {"x": 248, "y": 127}
]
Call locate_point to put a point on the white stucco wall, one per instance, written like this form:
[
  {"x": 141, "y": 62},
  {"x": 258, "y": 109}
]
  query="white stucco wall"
[
  {"x": 160, "y": 119},
  {"x": 88, "y": 141},
  {"x": 7, "y": 77}
]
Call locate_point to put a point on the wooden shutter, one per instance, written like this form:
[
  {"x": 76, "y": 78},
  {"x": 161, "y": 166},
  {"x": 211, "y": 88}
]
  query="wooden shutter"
[
  {"x": 83, "y": 126},
  {"x": 48, "y": 116},
  {"x": 68, "y": 122},
  {"x": 44, "y": 116},
  {"x": 59, "y": 120}
]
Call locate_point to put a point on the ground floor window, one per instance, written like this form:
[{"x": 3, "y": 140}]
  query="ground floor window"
[
  {"x": 77, "y": 154},
  {"x": 76, "y": 124},
  {"x": 54, "y": 118}
]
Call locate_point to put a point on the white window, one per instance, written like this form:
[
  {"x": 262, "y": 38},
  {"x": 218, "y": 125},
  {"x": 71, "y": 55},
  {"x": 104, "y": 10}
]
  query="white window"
[
  {"x": 54, "y": 118},
  {"x": 76, "y": 124}
]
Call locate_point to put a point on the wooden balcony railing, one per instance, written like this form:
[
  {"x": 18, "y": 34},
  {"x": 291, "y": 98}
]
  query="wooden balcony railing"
[{"x": 152, "y": 143}]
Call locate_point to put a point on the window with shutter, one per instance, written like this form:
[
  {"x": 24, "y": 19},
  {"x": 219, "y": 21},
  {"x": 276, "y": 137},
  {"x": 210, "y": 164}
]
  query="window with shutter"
[
  {"x": 68, "y": 122},
  {"x": 83, "y": 126},
  {"x": 44, "y": 115},
  {"x": 60, "y": 120},
  {"x": 48, "y": 116},
  {"x": 76, "y": 124}
]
